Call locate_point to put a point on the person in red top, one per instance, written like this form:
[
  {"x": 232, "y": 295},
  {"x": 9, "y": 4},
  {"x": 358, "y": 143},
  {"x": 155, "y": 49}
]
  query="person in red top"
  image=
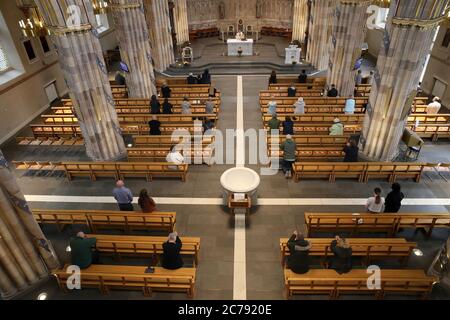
[{"x": 146, "y": 203}]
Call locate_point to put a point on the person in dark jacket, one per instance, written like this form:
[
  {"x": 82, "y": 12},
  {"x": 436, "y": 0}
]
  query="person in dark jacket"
[
  {"x": 167, "y": 107},
  {"x": 206, "y": 77},
  {"x": 146, "y": 203},
  {"x": 288, "y": 126},
  {"x": 292, "y": 91},
  {"x": 120, "y": 79},
  {"x": 298, "y": 260},
  {"x": 333, "y": 92},
  {"x": 155, "y": 126},
  {"x": 171, "y": 258},
  {"x": 191, "y": 79},
  {"x": 302, "y": 77},
  {"x": 394, "y": 199},
  {"x": 82, "y": 251},
  {"x": 165, "y": 90},
  {"x": 351, "y": 151},
  {"x": 155, "y": 106},
  {"x": 342, "y": 259},
  {"x": 273, "y": 78}
]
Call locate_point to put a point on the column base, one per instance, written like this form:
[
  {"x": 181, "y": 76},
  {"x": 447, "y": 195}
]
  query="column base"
[{"x": 365, "y": 158}]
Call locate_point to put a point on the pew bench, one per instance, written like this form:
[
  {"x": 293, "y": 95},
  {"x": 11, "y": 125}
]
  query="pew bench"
[
  {"x": 318, "y": 118},
  {"x": 160, "y": 153},
  {"x": 368, "y": 249},
  {"x": 414, "y": 282},
  {"x": 109, "y": 220},
  {"x": 107, "y": 278},
  {"x": 119, "y": 246}
]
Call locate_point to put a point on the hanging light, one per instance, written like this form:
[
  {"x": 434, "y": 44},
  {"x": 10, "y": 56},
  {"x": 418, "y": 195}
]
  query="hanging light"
[
  {"x": 99, "y": 6},
  {"x": 33, "y": 23}
]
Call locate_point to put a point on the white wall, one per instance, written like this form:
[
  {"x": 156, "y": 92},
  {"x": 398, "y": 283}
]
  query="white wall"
[
  {"x": 374, "y": 39},
  {"x": 439, "y": 67}
]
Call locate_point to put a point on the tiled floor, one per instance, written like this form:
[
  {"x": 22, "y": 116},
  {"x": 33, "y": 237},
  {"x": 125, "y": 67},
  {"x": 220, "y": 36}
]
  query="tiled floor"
[{"x": 214, "y": 225}]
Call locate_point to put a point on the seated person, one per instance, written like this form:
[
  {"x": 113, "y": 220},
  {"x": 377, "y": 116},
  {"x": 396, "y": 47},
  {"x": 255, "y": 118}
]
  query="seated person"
[
  {"x": 302, "y": 77},
  {"x": 146, "y": 203},
  {"x": 171, "y": 258},
  {"x": 167, "y": 107},
  {"x": 82, "y": 254},
  {"x": 292, "y": 91},
  {"x": 209, "y": 106},
  {"x": 186, "y": 106},
  {"x": 191, "y": 79},
  {"x": 350, "y": 105},
  {"x": 155, "y": 106},
  {"x": 298, "y": 260},
  {"x": 175, "y": 157},
  {"x": 351, "y": 151},
  {"x": 288, "y": 126},
  {"x": 274, "y": 123},
  {"x": 273, "y": 77},
  {"x": 337, "y": 129},
  {"x": 155, "y": 126},
  {"x": 208, "y": 124},
  {"x": 333, "y": 92},
  {"x": 165, "y": 90},
  {"x": 120, "y": 79},
  {"x": 435, "y": 106},
  {"x": 299, "y": 106},
  {"x": 272, "y": 106},
  {"x": 342, "y": 255}
]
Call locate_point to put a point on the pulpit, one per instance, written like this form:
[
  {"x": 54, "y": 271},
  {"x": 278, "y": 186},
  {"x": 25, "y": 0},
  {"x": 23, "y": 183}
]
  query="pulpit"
[{"x": 293, "y": 54}]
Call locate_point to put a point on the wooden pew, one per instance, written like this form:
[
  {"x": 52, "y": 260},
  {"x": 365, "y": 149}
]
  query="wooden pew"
[
  {"x": 368, "y": 222},
  {"x": 106, "y": 278},
  {"x": 196, "y": 109},
  {"x": 121, "y": 170},
  {"x": 276, "y": 32},
  {"x": 362, "y": 171},
  {"x": 146, "y": 102},
  {"x": 294, "y": 79},
  {"x": 289, "y": 109},
  {"x": 308, "y": 153},
  {"x": 429, "y": 118},
  {"x": 433, "y": 131},
  {"x": 49, "y": 141},
  {"x": 154, "y": 141},
  {"x": 368, "y": 249},
  {"x": 319, "y": 118},
  {"x": 134, "y": 118},
  {"x": 119, "y": 246},
  {"x": 284, "y": 94},
  {"x": 312, "y": 101},
  {"x": 40, "y": 130},
  {"x": 321, "y": 129},
  {"x": 318, "y": 141},
  {"x": 160, "y": 154},
  {"x": 355, "y": 282},
  {"x": 98, "y": 219}
]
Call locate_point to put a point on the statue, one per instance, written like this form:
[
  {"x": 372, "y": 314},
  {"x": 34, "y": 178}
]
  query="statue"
[
  {"x": 222, "y": 10},
  {"x": 259, "y": 9}
]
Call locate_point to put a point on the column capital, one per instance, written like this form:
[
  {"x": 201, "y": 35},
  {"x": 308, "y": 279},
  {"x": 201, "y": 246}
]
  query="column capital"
[
  {"x": 73, "y": 29},
  {"x": 420, "y": 23},
  {"x": 355, "y": 2}
]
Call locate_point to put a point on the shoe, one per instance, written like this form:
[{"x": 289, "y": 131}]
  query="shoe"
[
  {"x": 286, "y": 175},
  {"x": 289, "y": 174}
]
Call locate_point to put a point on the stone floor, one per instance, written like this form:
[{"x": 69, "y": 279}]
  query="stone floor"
[{"x": 214, "y": 225}]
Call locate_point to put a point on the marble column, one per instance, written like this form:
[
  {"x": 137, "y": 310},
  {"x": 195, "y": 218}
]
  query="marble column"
[
  {"x": 26, "y": 256},
  {"x": 347, "y": 38},
  {"x": 181, "y": 21},
  {"x": 407, "y": 41},
  {"x": 133, "y": 36},
  {"x": 300, "y": 20},
  {"x": 158, "y": 20},
  {"x": 319, "y": 33},
  {"x": 72, "y": 23}
]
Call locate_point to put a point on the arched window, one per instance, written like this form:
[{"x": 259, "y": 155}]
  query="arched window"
[{"x": 4, "y": 63}]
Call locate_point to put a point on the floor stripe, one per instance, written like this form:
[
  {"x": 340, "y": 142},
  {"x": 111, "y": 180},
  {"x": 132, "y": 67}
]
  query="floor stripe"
[
  {"x": 219, "y": 201},
  {"x": 240, "y": 138}
]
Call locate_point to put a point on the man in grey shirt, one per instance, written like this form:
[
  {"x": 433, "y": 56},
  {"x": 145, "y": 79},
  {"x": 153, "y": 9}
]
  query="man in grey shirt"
[{"x": 123, "y": 196}]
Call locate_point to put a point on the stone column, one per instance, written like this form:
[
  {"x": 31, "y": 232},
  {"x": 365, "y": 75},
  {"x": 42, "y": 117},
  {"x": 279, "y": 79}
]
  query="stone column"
[
  {"x": 26, "y": 256},
  {"x": 181, "y": 21},
  {"x": 300, "y": 23},
  {"x": 73, "y": 23},
  {"x": 158, "y": 20},
  {"x": 133, "y": 36},
  {"x": 347, "y": 38},
  {"x": 319, "y": 33},
  {"x": 407, "y": 41}
]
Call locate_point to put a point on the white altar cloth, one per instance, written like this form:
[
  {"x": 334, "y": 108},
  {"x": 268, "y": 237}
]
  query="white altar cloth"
[{"x": 234, "y": 45}]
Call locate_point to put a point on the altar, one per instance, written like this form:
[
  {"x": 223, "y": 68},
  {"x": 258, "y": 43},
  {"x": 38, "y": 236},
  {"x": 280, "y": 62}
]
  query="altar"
[{"x": 245, "y": 45}]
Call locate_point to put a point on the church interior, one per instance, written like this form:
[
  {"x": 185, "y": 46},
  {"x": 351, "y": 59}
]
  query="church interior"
[{"x": 224, "y": 150}]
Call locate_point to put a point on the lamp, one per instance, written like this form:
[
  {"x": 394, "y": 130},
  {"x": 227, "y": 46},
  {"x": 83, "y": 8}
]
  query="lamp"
[
  {"x": 33, "y": 24},
  {"x": 99, "y": 6}
]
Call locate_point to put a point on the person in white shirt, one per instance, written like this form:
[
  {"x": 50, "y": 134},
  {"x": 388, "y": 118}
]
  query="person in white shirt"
[
  {"x": 175, "y": 157},
  {"x": 186, "y": 106},
  {"x": 299, "y": 106},
  {"x": 376, "y": 203},
  {"x": 435, "y": 106},
  {"x": 240, "y": 35}
]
